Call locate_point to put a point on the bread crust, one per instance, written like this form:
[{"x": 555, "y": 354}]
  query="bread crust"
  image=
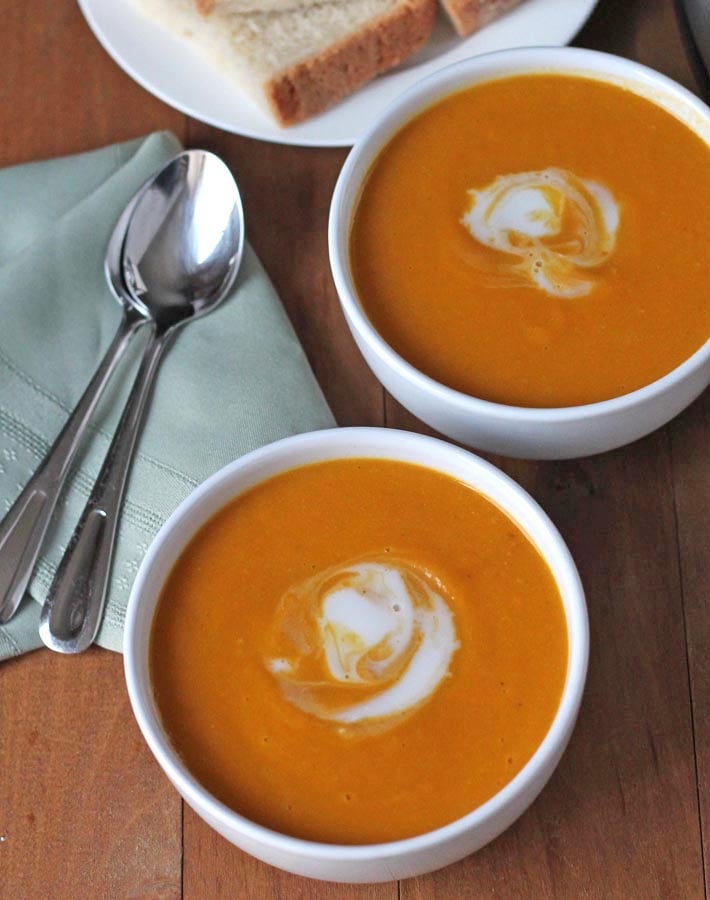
[
  {"x": 311, "y": 86},
  {"x": 468, "y": 16}
]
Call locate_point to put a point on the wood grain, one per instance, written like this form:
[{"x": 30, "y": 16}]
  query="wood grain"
[
  {"x": 59, "y": 91},
  {"x": 690, "y": 438},
  {"x": 85, "y": 811}
]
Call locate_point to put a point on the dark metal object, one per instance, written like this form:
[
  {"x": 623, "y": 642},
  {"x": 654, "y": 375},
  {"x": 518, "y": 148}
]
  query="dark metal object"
[{"x": 694, "y": 20}]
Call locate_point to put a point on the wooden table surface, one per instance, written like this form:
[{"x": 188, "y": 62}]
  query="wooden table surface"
[{"x": 84, "y": 809}]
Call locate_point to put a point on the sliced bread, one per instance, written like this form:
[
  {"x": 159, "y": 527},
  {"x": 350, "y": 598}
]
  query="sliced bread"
[
  {"x": 298, "y": 62},
  {"x": 206, "y": 6},
  {"x": 468, "y": 16}
]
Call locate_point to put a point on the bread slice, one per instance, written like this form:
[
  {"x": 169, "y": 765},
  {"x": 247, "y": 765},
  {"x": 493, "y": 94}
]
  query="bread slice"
[
  {"x": 298, "y": 62},
  {"x": 468, "y": 16},
  {"x": 241, "y": 6}
]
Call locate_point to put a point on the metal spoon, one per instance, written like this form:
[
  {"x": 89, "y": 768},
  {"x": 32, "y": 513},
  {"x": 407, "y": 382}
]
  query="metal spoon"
[
  {"x": 23, "y": 529},
  {"x": 181, "y": 254}
]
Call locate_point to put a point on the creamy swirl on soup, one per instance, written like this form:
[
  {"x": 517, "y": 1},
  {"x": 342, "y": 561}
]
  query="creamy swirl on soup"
[
  {"x": 364, "y": 642},
  {"x": 557, "y": 226}
]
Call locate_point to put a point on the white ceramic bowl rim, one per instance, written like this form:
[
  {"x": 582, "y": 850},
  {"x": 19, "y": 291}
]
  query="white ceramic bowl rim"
[
  {"x": 200, "y": 798},
  {"x": 526, "y": 60}
]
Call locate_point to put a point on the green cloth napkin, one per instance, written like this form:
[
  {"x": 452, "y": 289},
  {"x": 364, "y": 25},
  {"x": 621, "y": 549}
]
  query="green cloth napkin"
[{"x": 232, "y": 381}]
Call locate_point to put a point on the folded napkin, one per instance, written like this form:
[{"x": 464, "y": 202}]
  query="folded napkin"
[{"x": 232, "y": 381}]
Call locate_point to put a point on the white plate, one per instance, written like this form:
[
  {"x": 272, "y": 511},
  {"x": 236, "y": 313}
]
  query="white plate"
[{"x": 158, "y": 61}]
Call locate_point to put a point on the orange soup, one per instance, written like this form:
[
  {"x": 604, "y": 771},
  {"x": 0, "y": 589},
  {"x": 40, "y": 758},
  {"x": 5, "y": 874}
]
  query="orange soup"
[
  {"x": 358, "y": 651},
  {"x": 539, "y": 241}
]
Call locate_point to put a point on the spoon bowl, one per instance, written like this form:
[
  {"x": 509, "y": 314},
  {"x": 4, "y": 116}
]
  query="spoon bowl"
[
  {"x": 185, "y": 239},
  {"x": 113, "y": 261}
]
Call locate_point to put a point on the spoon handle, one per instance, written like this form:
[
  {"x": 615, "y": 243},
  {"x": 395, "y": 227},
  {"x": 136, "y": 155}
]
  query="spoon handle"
[
  {"x": 72, "y": 612},
  {"x": 25, "y": 525}
]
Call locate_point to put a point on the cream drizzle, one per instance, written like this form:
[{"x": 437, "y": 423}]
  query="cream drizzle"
[
  {"x": 367, "y": 641},
  {"x": 557, "y": 225}
]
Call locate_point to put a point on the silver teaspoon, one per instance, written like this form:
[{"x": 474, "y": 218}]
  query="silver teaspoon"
[
  {"x": 23, "y": 529},
  {"x": 180, "y": 259}
]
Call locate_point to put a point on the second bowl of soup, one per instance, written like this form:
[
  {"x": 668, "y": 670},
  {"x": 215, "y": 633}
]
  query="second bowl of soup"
[
  {"x": 358, "y": 654},
  {"x": 520, "y": 250}
]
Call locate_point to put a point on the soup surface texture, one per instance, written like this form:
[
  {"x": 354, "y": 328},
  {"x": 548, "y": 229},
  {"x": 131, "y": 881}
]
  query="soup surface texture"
[
  {"x": 539, "y": 241},
  {"x": 358, "y": 651}
]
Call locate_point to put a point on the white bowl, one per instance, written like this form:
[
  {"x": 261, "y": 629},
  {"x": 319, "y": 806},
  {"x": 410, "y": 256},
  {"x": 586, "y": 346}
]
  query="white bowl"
[
  {"x": 533, "y": 433},
  {"x": 373, "y": 862}
]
